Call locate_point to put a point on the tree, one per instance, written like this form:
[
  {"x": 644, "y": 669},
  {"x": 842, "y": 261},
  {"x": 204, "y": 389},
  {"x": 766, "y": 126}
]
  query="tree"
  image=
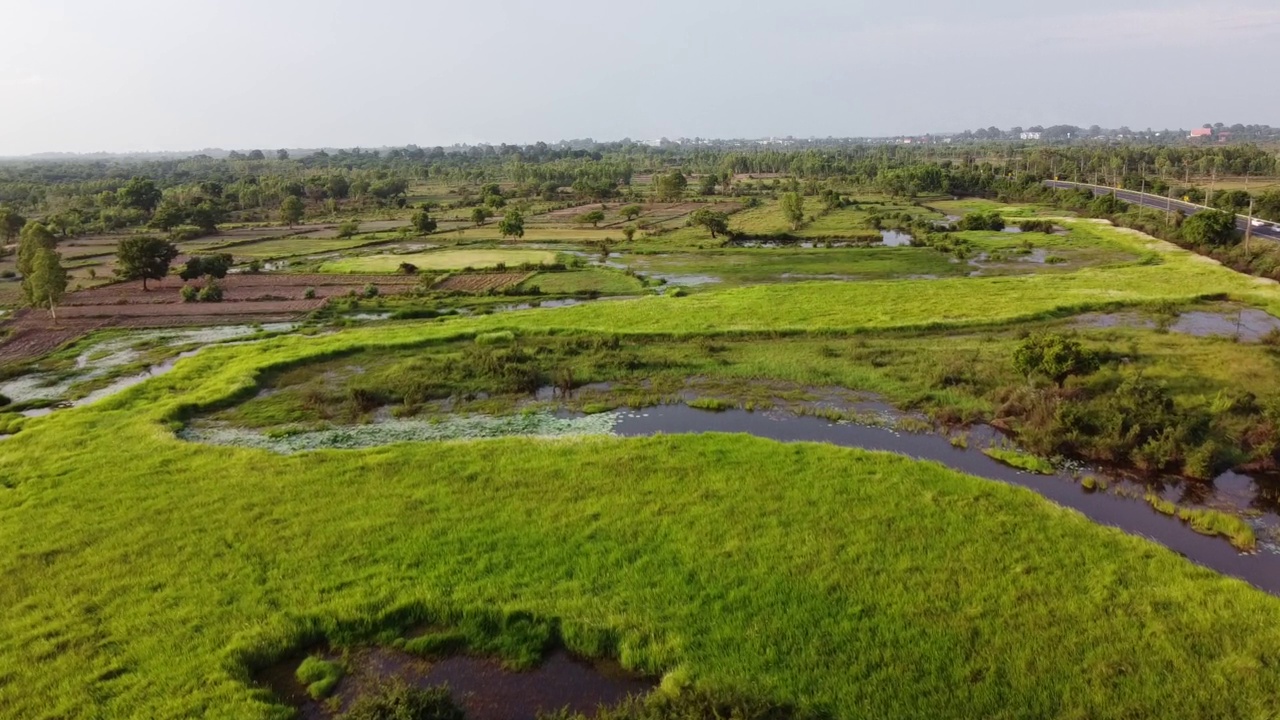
[
  {"x": 1054, "y": 356},
  {"x": 423, "y": 222},
  {"x": 144, "y": 258},
  {"x": 34, "y": 238},
  {"x": 168, "y": 216},
  {"x": 708, "y": 185},
  {"x": 257, "y": 155},
  {"x": 47, "y": 283},
  {"x": 594, "y": 218},
  {"x": 631, "y": 212},
  {"x": 480, "y": 214},
  {"x": 792, "y": 204},
  {"x": 282, "y": 154},
  {"x": 512, "y": 224},
  {"x": 10, "y": 224},
  {"x": 291, "y": 210},
  {"x": 716, "y": 222},
  {"x": 629, "y": 232},
  {"x": 1210, "y": 227},
  {"x": 139, "y": 193}
]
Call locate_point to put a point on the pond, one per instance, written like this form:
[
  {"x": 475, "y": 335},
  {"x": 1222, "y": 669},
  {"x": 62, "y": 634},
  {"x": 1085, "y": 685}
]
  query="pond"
[{"x": 480, "y": 686}]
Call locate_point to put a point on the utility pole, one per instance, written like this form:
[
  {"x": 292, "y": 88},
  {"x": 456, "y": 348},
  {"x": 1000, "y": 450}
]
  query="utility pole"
[
  {"x": 1168, "y": 210},
  {"x": 1248, "y": 227}
]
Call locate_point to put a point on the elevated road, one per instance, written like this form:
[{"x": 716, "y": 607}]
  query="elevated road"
[{"x": 1265, "y": 230}]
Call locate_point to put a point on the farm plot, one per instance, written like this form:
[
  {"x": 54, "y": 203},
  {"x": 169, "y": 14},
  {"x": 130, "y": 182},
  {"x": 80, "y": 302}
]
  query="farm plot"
[
  {"x": 246, "y": 299},
  {"x": 477, "y": 283},
  {"x": 439, "y": 260}
]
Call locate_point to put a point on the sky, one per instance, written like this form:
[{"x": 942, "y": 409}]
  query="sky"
[{"x": 150, "y": 75}]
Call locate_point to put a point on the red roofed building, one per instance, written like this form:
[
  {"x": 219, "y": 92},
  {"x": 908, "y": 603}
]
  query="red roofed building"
[{"x": 1201, "y": 132}]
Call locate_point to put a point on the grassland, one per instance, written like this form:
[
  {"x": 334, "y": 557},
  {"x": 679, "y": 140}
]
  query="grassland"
[
  {"x": 439, "y": 260},
  {"x": 988, "y": 598}
]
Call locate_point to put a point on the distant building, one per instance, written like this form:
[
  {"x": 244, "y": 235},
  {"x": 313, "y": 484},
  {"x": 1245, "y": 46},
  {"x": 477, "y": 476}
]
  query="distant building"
[
  {"x": 1030, "y": 136},
  {"x": 1201, "y": 133}
]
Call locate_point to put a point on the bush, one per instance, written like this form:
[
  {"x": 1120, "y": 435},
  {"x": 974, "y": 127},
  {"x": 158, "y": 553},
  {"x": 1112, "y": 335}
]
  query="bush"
[
  {"x": 407, "y": 269},
  {"x": 1040, "y": 226},
  {"x": 397, "y": 700},
  {"x": 982, "y": 221},
  {"x": 370, "y": 291},
  {"x": 211, "y": 292},
  {"x": 309, "y": 293},
  {"x": 189, "y": 293},
  {"x": 348, "y": 228},
  {"x": 319, "y": 675},
  {"x": 4, "y": 400}
]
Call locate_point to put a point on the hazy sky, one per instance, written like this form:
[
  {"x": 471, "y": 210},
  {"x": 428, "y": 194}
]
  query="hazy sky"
[{"x": 86, "y": 75}]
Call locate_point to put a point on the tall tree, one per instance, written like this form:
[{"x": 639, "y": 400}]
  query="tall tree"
[
  {"x": 291, "y": 210},
  {"x": 792, "y": 204},
  {"x": 512, "y": 224},
  {"x": 282, "y": 154},
  {"x": 144, "y": 258},
  {"x": 480, "y": 214},
  {"x": 34, "y": 238},
  {"x": 47, "y": 283}
]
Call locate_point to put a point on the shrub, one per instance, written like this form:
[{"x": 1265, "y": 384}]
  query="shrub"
[
  {"x": 397, "y": 700},
  {"x": 319, "y": 675},
  {"x": 189, "y": 293},
  {"x": 348, "y": 228},
  {"x": 1040, "y": 226},
  {"x": 407, "y": 269},
  {"x": 211, "y": 292},
  {"x": 370, "y": 291},
  {"x": 255, "y": 266},
  {"x": 982, "y": 221},
  {"x": 4, "y": 400},
  {"x": 712, "y": 404},
  {"x": 309, "y": 293}
]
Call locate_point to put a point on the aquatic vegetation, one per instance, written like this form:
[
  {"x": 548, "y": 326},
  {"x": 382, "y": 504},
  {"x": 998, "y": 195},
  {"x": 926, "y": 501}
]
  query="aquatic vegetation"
[{"x": 1020, "y": 460}]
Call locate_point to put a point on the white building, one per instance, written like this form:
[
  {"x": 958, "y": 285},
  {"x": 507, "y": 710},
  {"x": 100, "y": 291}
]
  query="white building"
[{"x": 1030, "y": 136}]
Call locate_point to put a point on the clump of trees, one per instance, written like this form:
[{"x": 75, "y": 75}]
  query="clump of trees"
[
  {"x": 669, "y": 186},
  {"x": 291, "y": 211},
  {"x": 1211, "y": 228},
  {"x": 480, "y": 215},
  {"x": 423, "y": 222},
  {"x": 216, "y": 266}
]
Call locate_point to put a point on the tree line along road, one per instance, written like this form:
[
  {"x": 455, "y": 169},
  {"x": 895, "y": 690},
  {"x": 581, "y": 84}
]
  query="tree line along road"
[{"x": 1270, "y": 231}]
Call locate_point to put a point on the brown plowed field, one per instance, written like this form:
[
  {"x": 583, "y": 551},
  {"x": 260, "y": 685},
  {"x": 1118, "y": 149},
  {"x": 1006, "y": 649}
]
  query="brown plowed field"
[
  {"x": 246, "y": 299},
  {"x": 481, "y": 282}
]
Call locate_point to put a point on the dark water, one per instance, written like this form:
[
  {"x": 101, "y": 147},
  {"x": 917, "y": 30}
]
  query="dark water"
[
  {"x": 480, "y": 686},
  {"x": 1262, "y": 569}
]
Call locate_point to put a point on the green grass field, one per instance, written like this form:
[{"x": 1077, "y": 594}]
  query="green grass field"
[
  {"x": 987, "y": 597},
  {"x": 438, "y": 260}
]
